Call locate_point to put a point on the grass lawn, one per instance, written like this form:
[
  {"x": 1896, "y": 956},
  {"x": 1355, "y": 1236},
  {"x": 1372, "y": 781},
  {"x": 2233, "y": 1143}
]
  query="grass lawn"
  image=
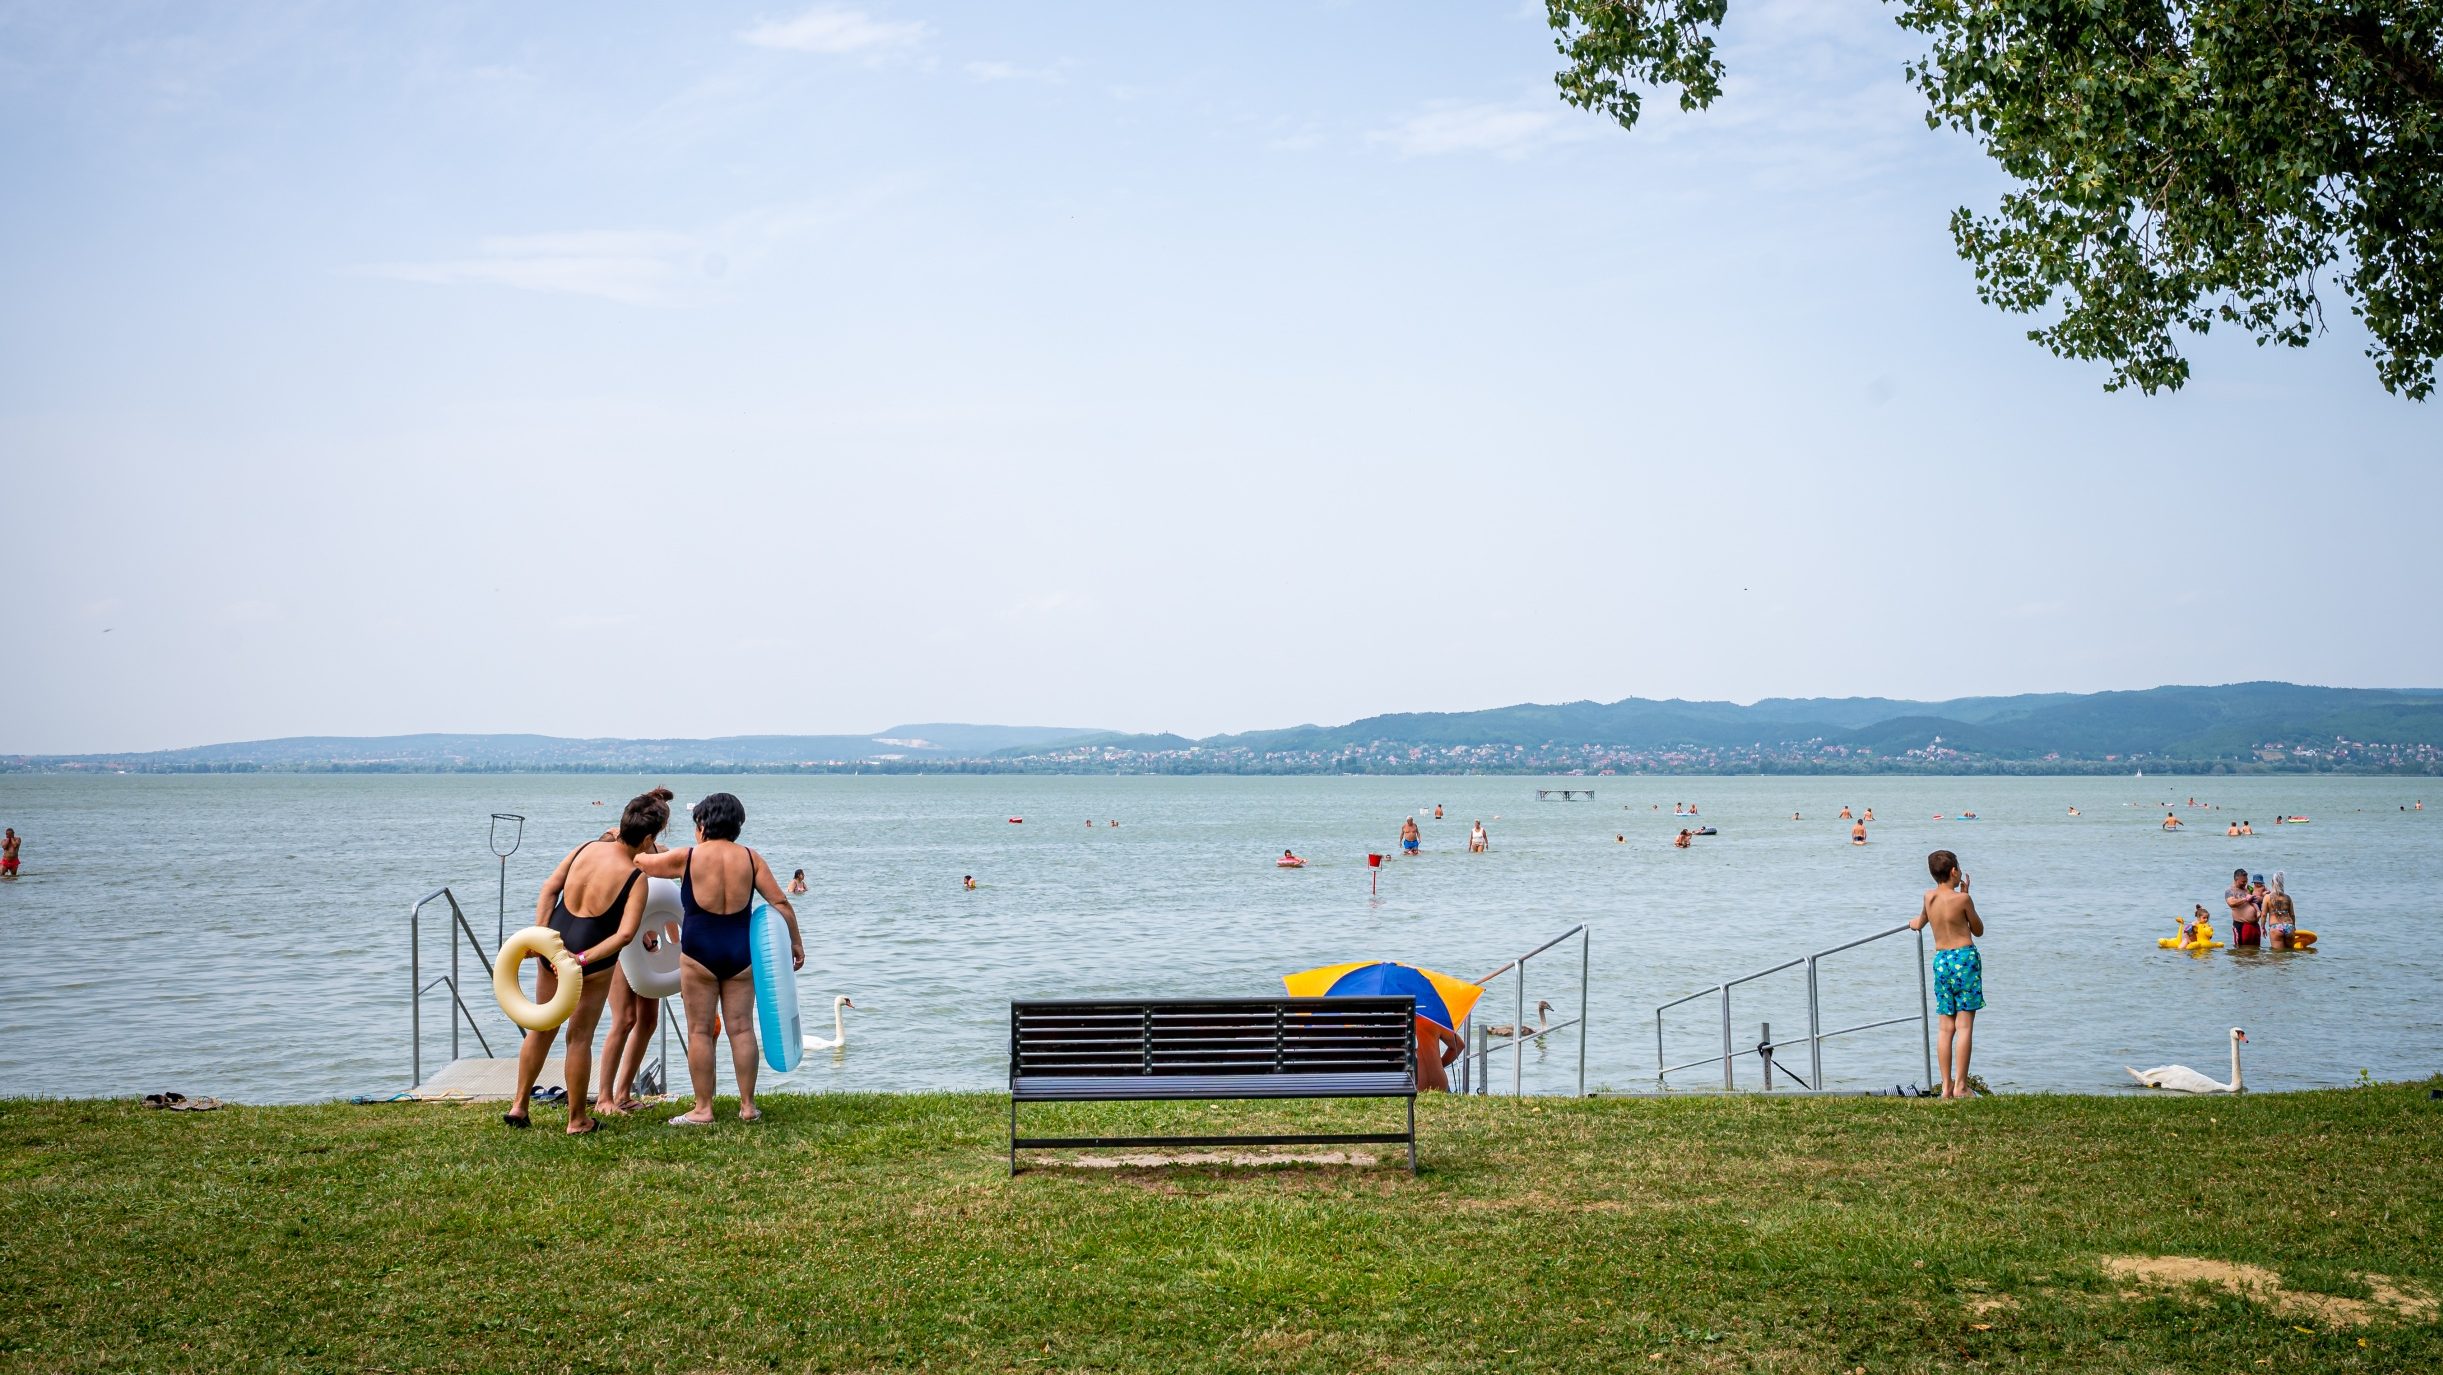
[{"x": 882, "y": 1232}]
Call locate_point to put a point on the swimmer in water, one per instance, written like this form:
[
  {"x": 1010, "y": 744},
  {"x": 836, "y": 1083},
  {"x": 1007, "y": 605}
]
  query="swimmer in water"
[
  {"x": 1844, "y": 813},
  {"x": 1870, "y": 815},
  {"x": 1291, "y": 857},
  {"x": 1476, "y": 841},
  {"x": 970, "y": 882},
  {"x": 797, "y": 882},
  {"x": 1410, "y": 836},
  {"x": 1622, "y": 839},
  {"x": 1857, "y": 833},
  {"x": 2073, "y": 811},
  {"x": 2170, "y": 822},
  {"x": 1681, "y": 843}
]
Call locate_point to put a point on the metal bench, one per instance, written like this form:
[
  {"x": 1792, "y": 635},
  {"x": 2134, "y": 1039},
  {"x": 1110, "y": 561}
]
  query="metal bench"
[{"x": 1077, "y": 1050}]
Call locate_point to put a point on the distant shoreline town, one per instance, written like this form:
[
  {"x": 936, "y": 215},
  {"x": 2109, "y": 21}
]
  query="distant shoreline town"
[{"x": 2246, "y": 728}]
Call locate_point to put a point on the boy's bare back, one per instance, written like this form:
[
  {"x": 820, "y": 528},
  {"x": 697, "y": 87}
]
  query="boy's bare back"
[{"x": 1951, "y": 912}]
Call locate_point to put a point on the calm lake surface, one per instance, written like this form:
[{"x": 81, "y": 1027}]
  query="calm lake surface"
[{"x": 247, "y": 936}]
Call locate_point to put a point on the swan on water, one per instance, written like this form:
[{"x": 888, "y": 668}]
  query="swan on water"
[
  {"x": 1543, "y": 1020},
  {"x": 839, "y": 1028},
  {"x": 2182, "y": 1079}
]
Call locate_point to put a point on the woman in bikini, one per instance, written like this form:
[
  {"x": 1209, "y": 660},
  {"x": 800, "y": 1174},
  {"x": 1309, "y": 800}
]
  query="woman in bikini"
[
  {"x": 719, "y": 880},
  {"x": 598, "y": 877}
]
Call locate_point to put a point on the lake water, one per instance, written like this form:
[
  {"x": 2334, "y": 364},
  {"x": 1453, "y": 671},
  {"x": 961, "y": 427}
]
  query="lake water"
[{"x": 247, "y": 937}]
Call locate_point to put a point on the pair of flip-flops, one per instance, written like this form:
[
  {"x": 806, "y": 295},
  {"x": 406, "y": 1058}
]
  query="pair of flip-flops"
[{"x": 179, "y": 1102}]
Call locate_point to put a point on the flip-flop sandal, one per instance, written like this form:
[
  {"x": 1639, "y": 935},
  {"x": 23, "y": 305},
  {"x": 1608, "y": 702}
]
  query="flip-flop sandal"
[
  {"x": 592, "y": 1126},
  {"x": 163, "y": 1100},
  {"x": 751, "y": 1121},
  {"x": 683, "y": 1120},
  {"x": 551, "y": 1095},
  {"x": 196, "y": 1105},
  {"x": 518, "y": 1120}
]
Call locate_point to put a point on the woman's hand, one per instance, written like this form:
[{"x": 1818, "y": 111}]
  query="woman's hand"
[{"x": 797, "y": 955}]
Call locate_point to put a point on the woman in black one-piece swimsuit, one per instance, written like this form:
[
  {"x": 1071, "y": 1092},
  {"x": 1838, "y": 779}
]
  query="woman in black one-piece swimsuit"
[
  {"x": 719, "y": 880},
  {"x": 599, "y": 877}
]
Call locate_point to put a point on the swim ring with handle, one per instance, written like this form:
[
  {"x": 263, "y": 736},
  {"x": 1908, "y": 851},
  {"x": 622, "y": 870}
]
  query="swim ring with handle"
[
  {"x": 776, "y": 1020},
  {"x": 544, "y": 942},
  {"x": 655, "y": 973}
]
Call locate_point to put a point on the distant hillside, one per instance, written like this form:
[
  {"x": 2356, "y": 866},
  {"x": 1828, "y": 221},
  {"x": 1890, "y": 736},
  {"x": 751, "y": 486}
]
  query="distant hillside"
[
  {"x": 2250, "y": 726},
  {"x": 551, "y": 753}
]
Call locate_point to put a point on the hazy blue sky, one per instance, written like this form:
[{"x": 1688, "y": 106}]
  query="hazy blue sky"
[{"x": 713, "y": 368}]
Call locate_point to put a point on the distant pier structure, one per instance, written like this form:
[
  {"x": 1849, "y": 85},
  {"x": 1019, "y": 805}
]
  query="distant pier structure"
[{"x": 1565, "y": 794}]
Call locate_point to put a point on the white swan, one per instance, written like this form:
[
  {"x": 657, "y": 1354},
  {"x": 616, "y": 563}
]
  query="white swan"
[
  {"x": 2182, "y": 1079},
  {"x": 839, "y": 1028}
]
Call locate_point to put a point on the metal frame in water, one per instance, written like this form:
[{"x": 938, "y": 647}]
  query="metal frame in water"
[{"x": 1816, "y": 1035}]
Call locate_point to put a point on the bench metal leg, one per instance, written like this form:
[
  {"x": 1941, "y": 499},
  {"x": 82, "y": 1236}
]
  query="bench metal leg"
[
  {"x": 1013, "y": 1138},
  {"x": 1412, "y": 1135}
]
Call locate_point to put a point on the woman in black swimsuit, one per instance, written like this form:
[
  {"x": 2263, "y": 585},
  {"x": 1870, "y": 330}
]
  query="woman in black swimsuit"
[
  {"x": 633, "y": 1016},
  {"x": 598, "y": 877},
  {"x": 719, "y": 880}
]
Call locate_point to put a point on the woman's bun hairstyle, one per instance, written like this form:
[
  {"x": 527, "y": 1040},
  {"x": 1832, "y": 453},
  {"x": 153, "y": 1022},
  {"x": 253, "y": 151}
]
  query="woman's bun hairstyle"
[{"x": 647, "y": 814}]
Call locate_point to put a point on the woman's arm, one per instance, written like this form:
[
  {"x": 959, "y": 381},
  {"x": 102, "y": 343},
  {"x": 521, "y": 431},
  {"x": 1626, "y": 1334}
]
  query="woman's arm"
[
  {"x": 664, "y": 863},
  {"x": 768, "y": 884},
  {"x": 551, "y": 889}
]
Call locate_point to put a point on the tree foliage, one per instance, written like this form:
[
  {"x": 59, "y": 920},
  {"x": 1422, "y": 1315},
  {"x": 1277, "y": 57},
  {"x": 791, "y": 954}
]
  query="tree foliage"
[{"x": 2178, "y": 163}]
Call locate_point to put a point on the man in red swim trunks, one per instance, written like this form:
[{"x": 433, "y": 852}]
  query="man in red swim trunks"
[{"x": 8, "y": 853}]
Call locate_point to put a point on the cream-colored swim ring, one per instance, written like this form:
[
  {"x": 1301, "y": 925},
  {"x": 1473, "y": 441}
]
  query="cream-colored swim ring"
[{"x": 525, "y": 1011}]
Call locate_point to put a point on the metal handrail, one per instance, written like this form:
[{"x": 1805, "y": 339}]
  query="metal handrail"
[
  {"x": 1480, "y": 1080},
  {"x": 421, "y": 986},
  {"x": 418, "y": 987},
  {"x": 1816, "y": 1035}
]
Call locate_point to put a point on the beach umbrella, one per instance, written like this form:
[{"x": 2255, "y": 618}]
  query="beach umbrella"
[{"x": 1440, "y": 998}]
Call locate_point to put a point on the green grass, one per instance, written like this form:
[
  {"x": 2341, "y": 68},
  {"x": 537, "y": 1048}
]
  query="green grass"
[{"x": 882, "y": 1233}]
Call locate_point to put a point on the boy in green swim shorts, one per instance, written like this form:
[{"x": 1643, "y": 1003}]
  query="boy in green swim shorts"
[{"x": 1959, "y": 971}]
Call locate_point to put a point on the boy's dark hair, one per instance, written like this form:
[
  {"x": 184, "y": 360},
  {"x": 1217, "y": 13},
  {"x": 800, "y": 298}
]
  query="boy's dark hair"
[
  {"x": 721, "y": 816},
  {"x": 1942, "y": 864},
  {"x": 646, "y": 815}
]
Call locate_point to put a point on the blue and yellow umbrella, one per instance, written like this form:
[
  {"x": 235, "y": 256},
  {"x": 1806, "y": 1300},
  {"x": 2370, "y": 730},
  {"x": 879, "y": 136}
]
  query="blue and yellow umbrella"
[{"x": 1440, "y": 998}]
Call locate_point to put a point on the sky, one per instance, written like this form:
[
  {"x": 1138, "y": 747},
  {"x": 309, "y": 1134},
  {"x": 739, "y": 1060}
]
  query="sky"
[{"x": 687, "y": 370}]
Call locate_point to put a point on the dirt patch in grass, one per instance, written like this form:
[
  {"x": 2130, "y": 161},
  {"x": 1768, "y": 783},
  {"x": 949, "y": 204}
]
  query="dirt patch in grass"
[
  {"x": 2260, "y": 1285},
  {"x": 1148, "y": 1160}
]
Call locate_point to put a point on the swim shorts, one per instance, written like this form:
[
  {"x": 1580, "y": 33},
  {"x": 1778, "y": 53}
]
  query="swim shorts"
[
  {"x": 1959, "y": 980},
  {"x": 9, "y": 865},
  {"x": 1409, "y": 845}
]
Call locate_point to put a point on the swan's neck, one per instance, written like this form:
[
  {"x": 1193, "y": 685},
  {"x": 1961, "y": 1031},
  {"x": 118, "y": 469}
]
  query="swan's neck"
[{"x": 2235, "y": 1066}]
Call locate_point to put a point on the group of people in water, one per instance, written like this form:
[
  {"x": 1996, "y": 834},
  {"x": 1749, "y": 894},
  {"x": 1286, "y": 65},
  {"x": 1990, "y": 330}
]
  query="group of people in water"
[
  {"x": 1412, "y": 836},
  {"x": 594, "y": 900},
  {"x": 2262, "y": 917}
]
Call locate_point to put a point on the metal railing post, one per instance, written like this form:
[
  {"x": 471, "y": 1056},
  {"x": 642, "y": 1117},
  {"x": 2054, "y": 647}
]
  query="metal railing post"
[
  {"x": 1727, "y": 1082},
  {"x": 1815, "y": 1030},
  {"x": 1518, "y": 1037},
  {"x": 1764, "y": 1051},
  {"x": 1585, "y": 963},
  {"x": 455, "y": 995},
  {"x": 415, "y": 996},
  {"x": 1925, "y": 1020}
]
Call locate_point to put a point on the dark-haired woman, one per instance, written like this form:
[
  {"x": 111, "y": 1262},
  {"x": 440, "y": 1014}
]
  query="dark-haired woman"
[
  {"x": 718, "y": 883},
  {"x": 633, "y": 1016},
  {"x": 598, "y": 877}
]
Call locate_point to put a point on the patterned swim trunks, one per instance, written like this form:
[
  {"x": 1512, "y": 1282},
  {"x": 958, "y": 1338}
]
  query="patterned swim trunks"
[{"x": 1959, "y": 980}]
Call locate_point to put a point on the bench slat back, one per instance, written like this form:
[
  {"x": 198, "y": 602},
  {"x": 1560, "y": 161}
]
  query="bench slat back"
[{"x": 1075, "y": 1037}]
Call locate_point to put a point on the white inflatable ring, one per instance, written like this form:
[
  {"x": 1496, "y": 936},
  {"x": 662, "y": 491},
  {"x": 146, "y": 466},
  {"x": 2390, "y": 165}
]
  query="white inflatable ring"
[
  {"x": 525, "y": 1011},
  {"x": 654, "y": 973}
]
